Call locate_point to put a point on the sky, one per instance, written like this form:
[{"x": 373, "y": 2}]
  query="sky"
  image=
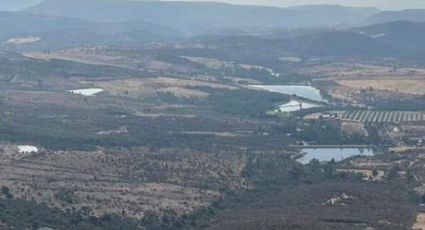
[{"x": 382, "y": 4}]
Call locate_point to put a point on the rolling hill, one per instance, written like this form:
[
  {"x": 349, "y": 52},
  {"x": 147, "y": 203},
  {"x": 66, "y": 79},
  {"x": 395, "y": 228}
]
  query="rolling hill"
[
  {"x": 60, "y": 32},
  {"x": 395, "y": 34},
  {"x": 415, "y": 15},
  {"x": 324, "y": 44},
  {"x": 340, "y": 44}
]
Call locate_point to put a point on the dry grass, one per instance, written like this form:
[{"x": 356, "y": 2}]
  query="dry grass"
[
  {"x": 150, "y": 87},
  {"x": 352, "y": 128},
  {"x": 99, "y": 56},
  {"x": 183, "y": 92},
  {"x": 420, "y": 222},
  {"x": 403, "y": 86},
  {"x": 210, "y": 62},
  {"x": 133, "y": 181},
  {"x": 76, "y": 56},
  {"x": 387, "y": 81},
  {"x": 367, "y": 173},
  {"x": 336, "y": 71},
  {"x": 119, "y": 130}
]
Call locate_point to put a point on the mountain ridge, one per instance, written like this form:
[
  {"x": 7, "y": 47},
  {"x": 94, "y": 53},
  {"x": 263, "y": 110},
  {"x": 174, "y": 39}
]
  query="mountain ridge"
[{"x": 194, "y": 18}]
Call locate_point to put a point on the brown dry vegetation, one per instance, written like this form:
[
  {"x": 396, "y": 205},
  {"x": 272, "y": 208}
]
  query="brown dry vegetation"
[
  {"x": 210, "y": 62},
  {"x": 341, "y": 71},
  {"x": 420, "y": 222},
  {"x": 353, "y": 128},
  {"x": 350, "y": 78},
  {"x": 124, "y": 181},
  {"x": 402, "y": 86},
  {"x": 102, "y": 56},
  {"x": 288, "y": 209},
  {"x": 150, "y": 87}
]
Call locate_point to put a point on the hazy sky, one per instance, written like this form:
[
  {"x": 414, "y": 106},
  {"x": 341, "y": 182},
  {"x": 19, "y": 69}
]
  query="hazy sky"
[{"x": 382, "y": 4}]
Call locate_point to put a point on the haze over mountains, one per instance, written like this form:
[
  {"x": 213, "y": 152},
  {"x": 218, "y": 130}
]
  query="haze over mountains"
[
  {"x": 407, "y": 15},
  {"x": 315, "y": 30},
  {"x": 15, "y": 5},
  {"x": 200, "y": 17},
  {"x": 61, "y": 32}
]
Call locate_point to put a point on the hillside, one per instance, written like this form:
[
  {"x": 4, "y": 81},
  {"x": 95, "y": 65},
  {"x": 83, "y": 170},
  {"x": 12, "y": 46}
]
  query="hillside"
[
  {"x": 415, "y": 15},
  {"x": 339, "y": 43},
  {"x": 53, "y": 32},
  {"x": 326, "y": 44},
  {"x": 394, "y": 34}
]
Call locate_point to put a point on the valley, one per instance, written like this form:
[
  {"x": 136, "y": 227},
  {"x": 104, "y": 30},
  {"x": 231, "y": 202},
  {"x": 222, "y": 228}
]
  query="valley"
[{"x": 131, "y": 120}]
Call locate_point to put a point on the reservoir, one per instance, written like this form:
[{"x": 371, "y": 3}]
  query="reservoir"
[
  {"x": 296, "y": 105},
  {"x": 327, "y": 154},
  {"x": 308, "y": 92},
  {"x": 86, "y": 92}
]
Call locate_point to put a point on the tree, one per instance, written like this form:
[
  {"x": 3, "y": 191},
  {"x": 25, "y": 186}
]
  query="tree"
[
  {"x": 392, "y": 173},
  {"x": 375, "y": 173},
  {"x": 6, "y": 192},
  {"x": 296, "y": 172}
]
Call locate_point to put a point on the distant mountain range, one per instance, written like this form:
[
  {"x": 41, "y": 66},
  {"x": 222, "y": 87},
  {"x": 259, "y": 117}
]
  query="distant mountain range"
[
  {"x": 415, "y": 15},
  {"x": 194, "y": 18},
  {"x": 391, "y": 39},
  {"x": 199, "y": 17},
  {"x": 16, "y": 5},
  {"x": 306, "y": 31}
]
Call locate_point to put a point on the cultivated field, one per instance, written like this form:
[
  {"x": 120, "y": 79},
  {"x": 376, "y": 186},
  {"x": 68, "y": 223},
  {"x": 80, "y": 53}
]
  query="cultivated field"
[
  {"x": 383, "y": 116},
  {"x": 344, "y": 71}
]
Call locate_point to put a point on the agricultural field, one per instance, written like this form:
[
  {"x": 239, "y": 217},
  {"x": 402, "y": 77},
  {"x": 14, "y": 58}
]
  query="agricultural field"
[
  {"x": 382, "y": 116},
  {"x": 371, "y": 84},
  {"x": 150, "y": 87},
  {"x": 361, "y": 71}
]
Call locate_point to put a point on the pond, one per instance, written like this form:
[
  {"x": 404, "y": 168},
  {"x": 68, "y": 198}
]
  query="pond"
[
  {"x": 86, "y": 92},
  {"x": 327, "y": 154},
  {"x": 296, "y": 105},
  {"x": 308, "y": 92},
  {"x": 27, "y": 149}
]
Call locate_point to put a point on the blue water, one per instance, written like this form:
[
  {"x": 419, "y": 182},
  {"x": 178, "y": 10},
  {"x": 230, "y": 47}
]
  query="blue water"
[
  {"x": 303, "y": 91},
  {"x": 327, "y": 154}
]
